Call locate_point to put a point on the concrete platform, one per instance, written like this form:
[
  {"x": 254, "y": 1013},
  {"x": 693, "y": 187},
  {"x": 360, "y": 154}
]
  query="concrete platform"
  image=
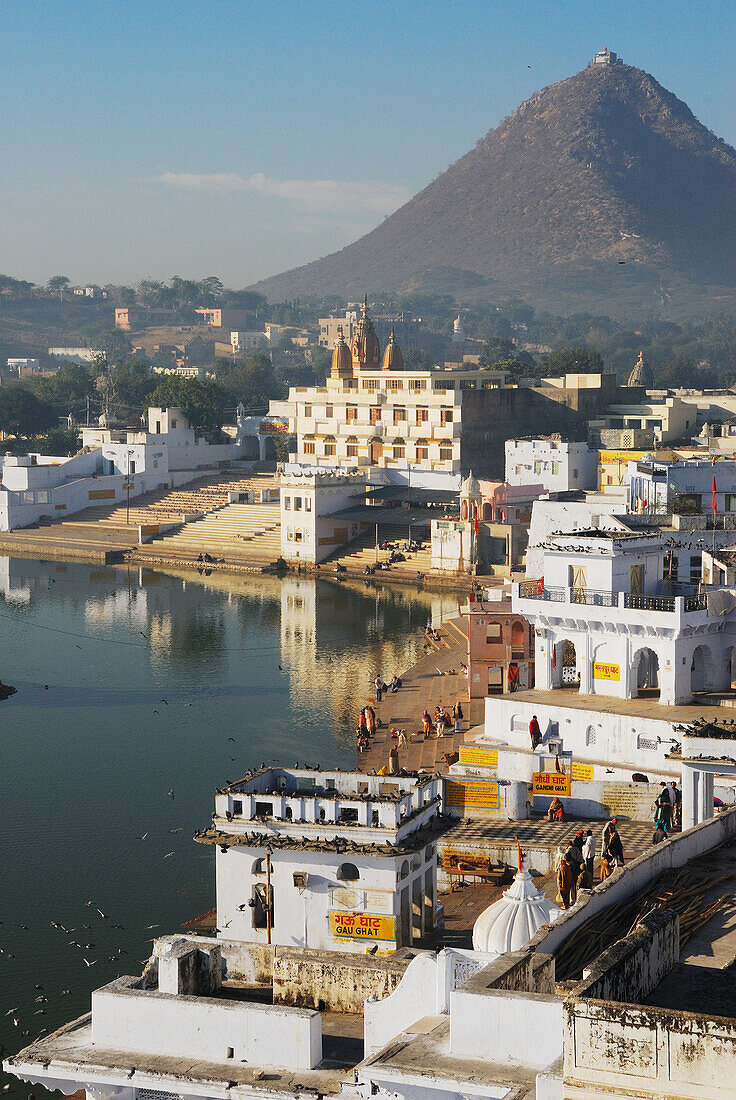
[{"x": 635, "y": 708}]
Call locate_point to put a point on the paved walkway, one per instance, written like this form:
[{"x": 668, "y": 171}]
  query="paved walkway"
[
  {"x": 436, "y": 678},
  {"x": 636, "y": 836}
]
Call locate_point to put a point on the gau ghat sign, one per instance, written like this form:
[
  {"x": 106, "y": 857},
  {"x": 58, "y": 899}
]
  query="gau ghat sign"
[{"x": 361, "y": 926}]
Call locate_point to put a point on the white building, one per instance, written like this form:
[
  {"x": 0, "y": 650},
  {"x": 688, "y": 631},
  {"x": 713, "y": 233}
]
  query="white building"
[
  {"x": 556, "y": 464},
  {"x": 685, "y": 487},
  {"x": 249, "y": 341},
  {"x": 82, "y": 356},
  {"x": 312, "y": 503},
  {"x": 349, "y": 859},
  {"x": 21, "y": 366},
  {"x": 373, "y": 413}
]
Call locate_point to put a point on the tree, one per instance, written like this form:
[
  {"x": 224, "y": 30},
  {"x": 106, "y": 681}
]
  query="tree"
[
  {"x": 496, "y": 350},
  {"x": 134, "y": 383},
  {"x": 416, "y": 359},
  {"x": 22, "y": 413},
  {"x": 58, "y": 441},
  {"x": 68, "y": 389},
  {"x": 201, "y": 400},
  {"x": 577, "y": 360},
  {"x": 58, "y": 282},
  {"x": 253, "y": 382}
]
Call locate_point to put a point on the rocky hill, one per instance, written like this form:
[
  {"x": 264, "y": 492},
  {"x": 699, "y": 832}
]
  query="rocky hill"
[{"x": 601, "y": 192}]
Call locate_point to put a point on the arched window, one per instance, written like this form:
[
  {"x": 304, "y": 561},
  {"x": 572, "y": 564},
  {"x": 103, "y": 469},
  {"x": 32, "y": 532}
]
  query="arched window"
[
  {"x": 347, "y": 872},
  {"x": 352, "y": 446},
  {"x": 487, "y": 511},
  {"x": 404, "y": 873},
  {"x": 330, "y": 445}
]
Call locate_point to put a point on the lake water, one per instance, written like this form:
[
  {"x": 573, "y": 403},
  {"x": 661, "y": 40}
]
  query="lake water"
[{"x": 133, "y": 684}]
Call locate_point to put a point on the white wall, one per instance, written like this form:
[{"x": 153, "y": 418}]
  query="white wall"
[
  {"x": 203, "y": 1028},
  {"x": 504, "y": 1026},
  {"x": 534, "y": 461}
]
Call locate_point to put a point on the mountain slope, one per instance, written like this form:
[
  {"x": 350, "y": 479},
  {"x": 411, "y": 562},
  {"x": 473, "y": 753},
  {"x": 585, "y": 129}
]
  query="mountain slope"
[{"x": 607, "y": 166}]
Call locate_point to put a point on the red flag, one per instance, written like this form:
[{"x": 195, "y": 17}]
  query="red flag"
[
  {"x": 475, "y": 523},
  {"x": 715, "y": 509}
]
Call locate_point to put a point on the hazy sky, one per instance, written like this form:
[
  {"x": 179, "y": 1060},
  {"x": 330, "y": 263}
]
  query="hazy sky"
[{"x": 242, "y": 138}]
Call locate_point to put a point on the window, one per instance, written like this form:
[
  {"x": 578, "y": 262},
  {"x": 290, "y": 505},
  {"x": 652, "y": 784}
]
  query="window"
[
  {"x": 731, "y": 502},
  {"x": 297, "y": 504},
  {"x": 416, "y": 384},
  {"x": 328, "y": 412},
  {"x": 173, "y": 423},
  {"x": 309, "y": 447},
  {"x": 352, "y": 447},
  {"x": 260, "y": 906},
  {"x": 347, "y": 872},
  {"x": 307, "y": 504},
  {"x": 375, "y": 415},
  {"x": 394, "y": 384},
  {"x": 237, "y": 807},
  {"x": 422, "y": 451},
  {"x": 370, "y": 384},
  {"x": 575, "y": 475},
  {"x": 264, "y": 809},
  {"x": 349, "y": 815},
  {"x": 446, "y": 416},
  {"x": 555, "y": 467},
  {"x": 287, "y": 504},
  {"x": 422, "y": 414},
  {"x": 297, "y": 535},
  {"x": 399, "y": 448},
  {"x": 444, "y": 384},
  {"x": 537, "y": 467},
  {"x": 330, "y": 448},
  {"x": 445, "y": 454},
  {"x": 695, "y": 568},
  {"x": 493, "y": 632},
  {"x": 399, "y": 415},
  {"x": 307, "y": 410},
  {"x": 351, "y": 414}
]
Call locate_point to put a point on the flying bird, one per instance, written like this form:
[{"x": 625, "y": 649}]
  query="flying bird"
[{"x": 170, "y": 792}]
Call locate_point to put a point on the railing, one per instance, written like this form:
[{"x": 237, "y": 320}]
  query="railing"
[
  {"x": 649, "y": 603},
  {"x": 537, "y": 590}
]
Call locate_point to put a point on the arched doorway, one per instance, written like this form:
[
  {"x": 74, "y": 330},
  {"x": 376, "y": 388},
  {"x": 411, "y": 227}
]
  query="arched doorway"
[
  {"x": 565, "y": 671},
  {"x": 645, "y": 674},
  {"x": 702, "y": 670}
]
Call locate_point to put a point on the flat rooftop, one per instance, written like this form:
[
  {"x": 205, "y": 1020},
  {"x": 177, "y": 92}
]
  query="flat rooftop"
[
  {"x": 69, "y": 1052},
  {"x": 634, "y": 708}
]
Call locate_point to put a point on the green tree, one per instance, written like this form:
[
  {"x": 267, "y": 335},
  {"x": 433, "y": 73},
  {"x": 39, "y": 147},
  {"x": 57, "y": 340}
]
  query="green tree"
[
  {"x": 134, "y": 383},
  {"x": 201, "y": 400},
  {"x": 416, "y": 359},
  {"x": 253, "y": 382},
  {"x": 58, "y": 441},
  {"x": 58, "y": 283},
  {"x": 68, "y": 389},
  {"x": 496, "y": 350},
  {"x": 576, "y": 360},
  {"x": 22, "y": 413}
]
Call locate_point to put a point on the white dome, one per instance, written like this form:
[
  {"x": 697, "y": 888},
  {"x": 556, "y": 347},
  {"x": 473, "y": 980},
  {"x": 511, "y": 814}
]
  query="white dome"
[
  {"x": 510, "y": 922},
  {"x": 470, "y": 487}
]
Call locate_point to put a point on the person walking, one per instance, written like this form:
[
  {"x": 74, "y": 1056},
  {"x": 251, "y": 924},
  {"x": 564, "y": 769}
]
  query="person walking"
[
  {"x": 589, "y": 852},
  {"x": 426, "y": 722},
  {"x": 370, "y": 719},
  {"x": 362, "y": 725},
  {"x": 566, "y": 882},
  {"x": 612, "y": 844},
  {"x": 663, "y": 811},
  {"x": 393, "y": 760},
  {"x": 677, "y": 806},
  {"x": 534, "y": 732},
  {"x": 380, "y": 687}
]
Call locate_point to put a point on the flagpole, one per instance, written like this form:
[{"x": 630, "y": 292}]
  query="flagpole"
[{"x": 715, "y": 514}]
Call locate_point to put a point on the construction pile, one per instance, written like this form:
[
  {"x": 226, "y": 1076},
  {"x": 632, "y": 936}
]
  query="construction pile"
[{"x": 687, "y": 891}]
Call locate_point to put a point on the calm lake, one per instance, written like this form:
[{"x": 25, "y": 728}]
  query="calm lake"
[{"x": 139, "y": 693}]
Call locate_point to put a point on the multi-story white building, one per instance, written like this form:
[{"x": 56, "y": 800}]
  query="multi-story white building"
[
  {"x": 373, "y": 413},
  {"x": 558, "y": 465},
  {"x": 686, "y": 487},
  {"x": 312, "y": 501}
]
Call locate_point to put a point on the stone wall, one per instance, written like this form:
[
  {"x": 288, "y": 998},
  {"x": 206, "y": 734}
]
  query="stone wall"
[
  {"x": 631, "y": 968},
  {"x": 333, "y": 980}
]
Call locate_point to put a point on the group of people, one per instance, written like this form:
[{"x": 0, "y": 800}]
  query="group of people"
[
  {"x": 444, "y": 721},
  {"x": 366, "y": 727},
  {"x": 667, "y": 810},
  {"x": 431, "y": 635},
  {"x": 575, "y": 865},
  {"x": 381, "y": 686}
]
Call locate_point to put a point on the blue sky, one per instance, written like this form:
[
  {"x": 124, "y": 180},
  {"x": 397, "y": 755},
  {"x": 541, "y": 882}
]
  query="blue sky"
[{"x": 242, "y": 138}]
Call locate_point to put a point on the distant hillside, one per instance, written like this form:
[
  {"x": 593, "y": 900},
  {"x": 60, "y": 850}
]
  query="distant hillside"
[{"x": 601, "y": 192}]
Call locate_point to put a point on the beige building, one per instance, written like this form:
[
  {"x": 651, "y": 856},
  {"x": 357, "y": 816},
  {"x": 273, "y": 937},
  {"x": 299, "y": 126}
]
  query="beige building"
[
  {"x": 668, "y": 418},
  {"x": 371, "y": 412}
]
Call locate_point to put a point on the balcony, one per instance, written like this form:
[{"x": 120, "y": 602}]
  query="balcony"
[{"x": 538, "y": 590}]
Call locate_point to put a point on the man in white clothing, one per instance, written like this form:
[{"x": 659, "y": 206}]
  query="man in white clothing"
[{"x": 589, "y": 852}]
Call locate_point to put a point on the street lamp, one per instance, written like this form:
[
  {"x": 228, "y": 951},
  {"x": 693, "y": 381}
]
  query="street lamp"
[{"x": 127, "y": 489}]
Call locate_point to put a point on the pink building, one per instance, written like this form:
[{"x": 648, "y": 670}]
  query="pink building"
[{"x": 500, "y": 646}]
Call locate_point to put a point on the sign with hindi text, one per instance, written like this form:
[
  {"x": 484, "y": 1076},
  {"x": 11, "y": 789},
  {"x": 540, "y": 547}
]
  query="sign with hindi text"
[
  {"x": 551, "y": 783},
  {"x": 466, "y": 794},
  {"x": 478, "y": 756},
  {"x": 362, "y": 926},
  {"x": 582, "y": 771},
  {"x": 603, "y": 671}
]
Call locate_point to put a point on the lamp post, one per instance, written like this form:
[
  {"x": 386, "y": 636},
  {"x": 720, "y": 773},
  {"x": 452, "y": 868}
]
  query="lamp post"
[{"x": 127, "y": 489}]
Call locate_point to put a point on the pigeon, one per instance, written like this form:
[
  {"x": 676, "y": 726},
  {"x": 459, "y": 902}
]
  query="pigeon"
[
  {"x": 87, "y": 962},
  {"x": 142, "y": 837},
  {"x": 170, "y": 792},
  {"x": 168, "y": 854}
]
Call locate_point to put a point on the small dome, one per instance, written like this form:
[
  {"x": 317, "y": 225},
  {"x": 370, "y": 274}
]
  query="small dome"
[
  {"x": 509, "y": 923},
  {"x": 641, "y": 375},
  {"x": 470, "y": 487},
  {"x": 342, "y": 363},
  {"x": 392, "y": 357}
]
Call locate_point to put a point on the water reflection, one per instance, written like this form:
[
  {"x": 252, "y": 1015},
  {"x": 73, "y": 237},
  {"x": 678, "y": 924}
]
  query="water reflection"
[{"x": 133, "y": 683}]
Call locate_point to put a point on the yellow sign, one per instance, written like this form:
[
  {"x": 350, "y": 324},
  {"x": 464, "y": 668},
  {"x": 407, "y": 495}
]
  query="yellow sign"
[
  {"x": 481, "y": 794},
  {"x": 582, "y": 771},
  {"x": 478, "y": 756},
  {"x": 603, "y": 671},
  {"x": 362, "y": 926},
  {"x": 620, "y": 456},
  {"x": 554, "y": 783},
  {"x": 465, "y": 863}
]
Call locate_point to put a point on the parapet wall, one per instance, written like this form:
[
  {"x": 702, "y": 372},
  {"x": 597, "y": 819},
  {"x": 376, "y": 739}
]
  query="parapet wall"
[{"x": 630, "y": 969}]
